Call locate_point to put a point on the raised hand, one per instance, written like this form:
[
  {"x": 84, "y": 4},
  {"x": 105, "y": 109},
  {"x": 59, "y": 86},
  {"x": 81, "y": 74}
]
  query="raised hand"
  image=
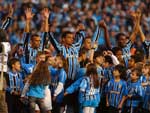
[
  {"x": 46, "y": 13},
  {"x": 102, "y": 24},
  {"x": 11, "y": 10},
  {"x": 29, "y": 14},
  {"x": 80, "y": 27}
]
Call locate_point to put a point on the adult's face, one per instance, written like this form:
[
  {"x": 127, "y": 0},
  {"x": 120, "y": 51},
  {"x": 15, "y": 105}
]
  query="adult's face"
[
  {"x": 35, "y": 43},
  {"x": 87, "y": 44},
  {"x": 122, "y": 41},
  {"x": 69, "y": 39}
]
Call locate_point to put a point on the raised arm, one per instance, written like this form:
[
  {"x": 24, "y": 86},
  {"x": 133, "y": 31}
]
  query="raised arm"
[
  {"x": 29, "y": 15},
  {"x": 53, "y": 41},
  {"x": 135, "y": 28},
  {"x": 103, "y": 25},
  {"x": 8, "y": 21},
  {"x": 142, "y": 36},
  {"x": 80, "y": 35}
]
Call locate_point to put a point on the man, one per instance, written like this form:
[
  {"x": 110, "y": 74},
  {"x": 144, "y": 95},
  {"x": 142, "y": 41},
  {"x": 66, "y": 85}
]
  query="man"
[{"x": 36, "y": 42}]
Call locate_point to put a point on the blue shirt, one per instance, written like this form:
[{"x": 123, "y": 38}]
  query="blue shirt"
[
  {"x": 59, "y": 76},
  {"x": 15, "y": 82},
  {"x": 37, "y": 91},
  {"x": 90, "y": 96},
  {"x": 136, "y": 90},
  {"x": 116, "y": 91}
]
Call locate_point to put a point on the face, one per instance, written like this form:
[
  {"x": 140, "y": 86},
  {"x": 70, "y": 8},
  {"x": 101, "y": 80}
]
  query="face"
[
  {"x": 100, "y": 60},
  {"x": 36, "y": 42},
  {"x": 87, "y": 44},
  {"x": 122, "y": 41},
  {"x": 40, "y": 58},
  {"x": 69, "y": 39},
  {"x": 145, "y": 70},
  {"x": 59, "y": 62},
  {"x": 116, "y": 73},
  {"x": 16, "y": 66},
  {"x": 51, "y": 61},
  {"x": 134, "y": 76},
  {"x": 119, "y": 55},
  {"x": 131, "y": 63}
]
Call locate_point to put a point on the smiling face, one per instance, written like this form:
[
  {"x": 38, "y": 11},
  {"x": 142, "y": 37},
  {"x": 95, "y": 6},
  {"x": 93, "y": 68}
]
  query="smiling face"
[{"x": 16, "y": 66}]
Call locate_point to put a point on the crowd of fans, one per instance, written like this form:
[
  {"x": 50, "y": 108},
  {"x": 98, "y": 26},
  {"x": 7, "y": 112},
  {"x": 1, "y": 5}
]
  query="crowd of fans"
[{"x": 75, "y": 56}]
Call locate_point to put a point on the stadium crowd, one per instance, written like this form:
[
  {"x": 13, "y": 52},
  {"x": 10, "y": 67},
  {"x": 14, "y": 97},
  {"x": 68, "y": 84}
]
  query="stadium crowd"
[{"x": 75, "y": 56}]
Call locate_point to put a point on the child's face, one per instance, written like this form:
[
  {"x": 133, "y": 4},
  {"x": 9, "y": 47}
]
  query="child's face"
[
  {"x": 116, "y": 73},
  {"x": 145, "y": 70},
  {"x": 59, "y": 62},
  {"x": 131, "y": 63},
  {"x": 134, "y": 76},
  {"x": 16, "y": 66},
  {"x": 99, "y": 60},
  {"x": 51, "y": 61}
]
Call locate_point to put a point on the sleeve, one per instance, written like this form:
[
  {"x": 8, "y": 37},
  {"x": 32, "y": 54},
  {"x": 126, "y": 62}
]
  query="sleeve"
[
  {"x": 26, "y": 38},
  {"x": 83, "y": 85},
  {"x": 6, "y": 24},
  {"x": 108, "y": 85},
  {"x": 56, "y": 45},
  {"x": 59, "y": 89},
  {"x": 125, "y": 90},
  {"x": 43, "y": 40},
  {"x": 97, "y": 34},
  {"x": 74, "y": 86},
  {"x": 8, "y": 89},
  {"x": 79, "y": 36},
  {"x": 25, "y": 89},
  {"x": 62, "y": 77},
  {"x": 129, "y": 44},
  {"x": 115, "y": 60},
  {"x": 146, "y": 48}
]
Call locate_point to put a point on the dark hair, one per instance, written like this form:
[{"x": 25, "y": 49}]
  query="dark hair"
[
  {"x": 138, "y": 71},
  {"x": 12, "y": 61},
  {"x": 3, "y": 36},
  {"x": 64, "y": 34},
  {"x": 92, "y": 73},
  {"x": 97, "y": 54},
  {"x": 122, "y": 70},
  {"x": 108, "y": 59},
  {"x": 41, "y": 75},
  {"x": 34, "y": 35},
  {"x": 119, "y": 35},
  {"x": 116, "y": 49},
  {"x": 40, "y": 53}
]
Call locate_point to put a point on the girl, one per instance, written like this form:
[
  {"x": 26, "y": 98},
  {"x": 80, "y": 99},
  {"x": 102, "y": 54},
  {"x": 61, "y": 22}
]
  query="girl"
[
  {"x": 116, "y": 90},
  {"x": 89, "y": 90},
  {"x": 38, "y": 81}
]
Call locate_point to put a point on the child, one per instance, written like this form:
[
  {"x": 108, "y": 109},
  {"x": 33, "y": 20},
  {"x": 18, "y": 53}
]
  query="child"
[
  {"x": 38, "y": 81},
  {"x": 89, "y": 90},
  {"x": 116, "y": 90},
  {"x": 135, "y": 92},
  {"x": 14, "y": 86},
  {"x": 57, "y": 85},
  {"x": 146, "y": 74},
  {"x": 146, "y": 85}
]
